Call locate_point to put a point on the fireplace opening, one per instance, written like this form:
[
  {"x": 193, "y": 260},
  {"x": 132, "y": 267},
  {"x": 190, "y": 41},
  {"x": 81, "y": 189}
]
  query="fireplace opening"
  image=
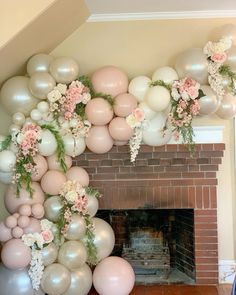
[{"x": 158, "y": 243}]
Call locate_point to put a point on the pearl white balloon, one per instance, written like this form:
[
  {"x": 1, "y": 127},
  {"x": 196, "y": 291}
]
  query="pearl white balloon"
[
  {"x": 35, "y": 115},
  {"x": 138, "y": 86},
  {"x": 39, "y": 63},
  {"x": 208, "y": 103},
  {"x": 49, "y": 254},
  {"x": 166, "y": 74},
  {"x": 149, "y": 113},
  {"x": 7, "y": 161},
  {"x": 231, "y": 58},
  {"x": 6, "y": 177},
  {"x": 92, "y": 205},
  {"x": 157, "y": 98},
  {"x": 14, "y": 129},
  {"x": 154, "y": 135},
  {"x": 227, "y": 108},
  {"x": 48, "y": 144},
  {"x": 40, "y": 84},
  {"x": 43, "y": 107},
  {"x": 76, "y": 228},
  {"x": 28, "y": 121},
  {"x": 73, "y": 147},
  {"x": 18, "y": 119}
]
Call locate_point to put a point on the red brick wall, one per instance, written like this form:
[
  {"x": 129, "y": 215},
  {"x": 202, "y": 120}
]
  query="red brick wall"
[{"x": 165, "y": 177}]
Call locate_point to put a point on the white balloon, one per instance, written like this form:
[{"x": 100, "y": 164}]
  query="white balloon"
[
  {"x": 43, "y": 107},
  {"x": 35, "y": 115},
  {"x": 154, "y": 135},
  {"x": 92, "y": 205},
  {"x": 7, "y": 161},
  {"x": 18, "y": 118},
  {"x": 6, "y": 177},
  {"x": 149, "y": 113},
  {"x": 74, "y": 147},
  {"x": 157, "y": 98},
  {"x": 166, "y": 74},
  {"x": 28, "y": 121},
  {"x": 138, "y": 86},
  {"x": 48, "y": 144},
  {"x": 13, "y": 147},
  {"x": 14, "y": 129}
]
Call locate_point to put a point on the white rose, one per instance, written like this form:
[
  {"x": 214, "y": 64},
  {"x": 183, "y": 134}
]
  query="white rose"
[
  {"x": 28, "y": 239},
  {"x": 71, "y": 196},
  {"x": 46, "y": 224},
  {"x": 54, "y": 95},
  {"x": 132, "y": 121},
  {"x": 61, "y": 88}
]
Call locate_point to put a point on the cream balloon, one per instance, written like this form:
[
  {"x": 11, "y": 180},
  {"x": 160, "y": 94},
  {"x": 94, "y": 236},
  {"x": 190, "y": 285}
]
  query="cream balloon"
[
  {"x": 92, "y": 205},
  {"x": 40, "y": 84},
  {"x": 81, "y": 281},
  {"x": 193, "y": 63},
  {"x": 165, "y": 74},
  {"x": 231, "y": 58},
  {"x": 48, "y": 144},
  {"x": 43, "y": 107},
  {"x": 72, "y": 254},
  {"x": 6, "y": 177},
  {"x": 52, "y": 207},
  {"x": 55, "y": 279},
  {"x": 149, "y": 113},
  {"x": 39, "y": 63},
  {"x": 76, "y": 228},
  {"x": 139, "y": 86},
  {"x": 16, "y": 97},
  {"x": 64, "y": 69},
  {"x": 225, "y": 31},
  {"x": 157, "y": 98},
  {"x": 154, "y": 135},
  {"x": 208, "y": 103},
  {"x": 7, "y": 161},
  {"x": 35, "y": 115},
  {"x": 49, "y": 254},
  {"x": 227, "y": 108},
  {"x": 18, "y": 119},
  {"x": 74, "y": 146}
]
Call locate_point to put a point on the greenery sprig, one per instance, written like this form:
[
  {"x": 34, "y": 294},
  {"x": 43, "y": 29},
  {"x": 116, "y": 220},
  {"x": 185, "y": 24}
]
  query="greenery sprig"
[
  {"x": 92, "y": 192},
  {"x": 160, "y": 83},
  {"x": 226, "y": 71},
  {"x": 91, "y": 248},
  {"x": 4, "y": 145}
]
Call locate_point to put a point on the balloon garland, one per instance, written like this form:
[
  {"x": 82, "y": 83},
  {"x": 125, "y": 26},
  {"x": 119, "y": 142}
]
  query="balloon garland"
[{"x": 52, "y": 234}]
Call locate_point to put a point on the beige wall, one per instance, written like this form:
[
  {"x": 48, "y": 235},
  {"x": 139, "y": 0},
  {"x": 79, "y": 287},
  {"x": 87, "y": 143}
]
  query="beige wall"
[{"x": 139, "y": 47}]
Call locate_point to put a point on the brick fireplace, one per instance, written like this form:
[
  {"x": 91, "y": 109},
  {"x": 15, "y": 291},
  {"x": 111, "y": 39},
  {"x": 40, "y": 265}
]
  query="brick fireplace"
[{"x": 165, "y": 178}]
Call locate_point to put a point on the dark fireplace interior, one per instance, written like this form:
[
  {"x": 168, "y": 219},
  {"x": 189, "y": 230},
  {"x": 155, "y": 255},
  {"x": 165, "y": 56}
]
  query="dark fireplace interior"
[{"x": 158, "y": 243}]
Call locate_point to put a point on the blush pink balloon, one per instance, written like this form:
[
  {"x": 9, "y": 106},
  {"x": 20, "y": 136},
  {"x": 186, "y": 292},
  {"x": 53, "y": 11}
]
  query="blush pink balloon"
[
  {"x": 120, "y": 143},
  {"x": 33, "y": 227},
  {"x": 98, "y": 111},
  {"x": 78, "y": 174},
  {"x": 99, "y": 140},
  {"x": 113, "y": 275},
  {"x": 41, "y": 167},
  {"x": 53, "y": 163},
  {"x": 110, "y": 80},
  {"x": 25, "y": 210},
  {"x": 120, "y": 129},
  {"x": 38, "y": 211},
  {"x": 11, "y": 221},
  {"x": 124, "y": 104},
  {"x": 15, "y": 254},
  {"x": 23, "y": 221},
  {"x": 13, "y": 202},
  {"x": 5, "y": 233},
  {"x": 16, "y": 215},
  {"x": 17, "y": 232},
  {"x": 52, "y": 182}
]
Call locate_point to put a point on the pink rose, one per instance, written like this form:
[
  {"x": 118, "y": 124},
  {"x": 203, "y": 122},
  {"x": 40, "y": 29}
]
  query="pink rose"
[
  {"x": 193, "y": 92},
  {"x": 47, "y": 236},
  {"x": 219, "y": 57},
  {"x": 139, "y": 114}
]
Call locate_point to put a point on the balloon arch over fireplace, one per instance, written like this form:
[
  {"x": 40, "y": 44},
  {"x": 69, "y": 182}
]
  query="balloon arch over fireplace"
[{"x": 52, "y": 235}]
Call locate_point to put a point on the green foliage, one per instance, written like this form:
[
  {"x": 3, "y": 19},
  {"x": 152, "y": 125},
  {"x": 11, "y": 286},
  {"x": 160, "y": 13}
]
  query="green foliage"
[
  {"x": 160, "y": 83},
  {"x": 91, "y": 248},
  {"x": 225, "y": 71},
  {"x": 92, "y": 192},
  {"x": 4, "y": 145}
]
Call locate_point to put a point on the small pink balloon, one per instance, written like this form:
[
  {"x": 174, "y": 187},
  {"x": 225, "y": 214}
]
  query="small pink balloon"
[
  {"x": 15, "y": 254},
  {"x": 13, "y": 202},
  {"x": 41, "y": 167},
  {"x": 52, "y": 182},
  {"x": 25, "y": 210},
  {"x": 99, "y": 140},
  {"x": 11, "y": 221},
  {"x": 98, "y": 111},
  {"x": 120, "y": 129},
  {"x": 120, "y": 143},
  {"x": 78, "y": 174},
  {"x": 110, "y": 80},
  {"x": 23, "y": 221},
  {"x": 38, "y": 211},
  {"x": 53, "y": 163},
  {"x": 17, "y": 232},
  {"x": 16, "y": 215},
  {"x": 124, "y": 104},
  {"x": 33, "y": 227},
  {"x": 5, "y": 233}
]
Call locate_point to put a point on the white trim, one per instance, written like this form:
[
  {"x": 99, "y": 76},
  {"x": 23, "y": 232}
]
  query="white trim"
[
  {"x": 227, "y": 271},
  {"x": 162, "y": 15}
]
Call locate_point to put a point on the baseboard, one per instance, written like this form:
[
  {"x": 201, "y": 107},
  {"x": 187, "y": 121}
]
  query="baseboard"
[{"x": 227, "y": 271}]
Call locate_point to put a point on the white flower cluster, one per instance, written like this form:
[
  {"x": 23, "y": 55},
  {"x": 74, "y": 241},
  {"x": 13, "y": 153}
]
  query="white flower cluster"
[
  {"x": 36, "y": 268},
  {"x": 212, "y": 48},
  {"x": 134, "y": 143}
]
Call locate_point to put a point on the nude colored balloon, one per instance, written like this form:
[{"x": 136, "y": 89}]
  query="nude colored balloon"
[
  {"x": 41, "y": 167},
  {"x": 23, "y": 221},
  {"x": 52, "y": 207},
  {"x": 7, "y": 161},
  {"x": 99, "y": 111},
  {"x": 165, "y": 74},
  {"x": 52, "y": 182},
  {"x": 33, "y": 227},
  {"x": 64, "y": 69},
  {"x": 139, "y": 86},
  {"x": 17, "y": 232},
  {"x": 12, "y": 202},
  {"x": 227, "y": 108},
  {"x": 40, "y": 84},
  {"x": 78, "y": 174},
  {"x": 25, "y": 210},
  {"x": 37, "y": 211},
  {"x": 113, "y": 275},
  {"x": 39, "y": 63},
  {"x": 120, "y": 142},
  {"x": 110, "y": 80},
  {"x": 149, "y": 113},
  {"x": 48, "y": 144},
  {"x": 124, "y": 104},
  {"x": 74, "y": 147},
  {"x": 99, "y": 140},
  {"x": 15, "y": 254},
  {"x": 49, "y": 254},
  {"x": 11, "y": 221},
  {"x": 120, "y": 129},
  {"x": 53, "y": 163},
  {"x": 5, "y": 232},
  {"x": 157, "y": 98},
  {"x": 16, "y": 97}
]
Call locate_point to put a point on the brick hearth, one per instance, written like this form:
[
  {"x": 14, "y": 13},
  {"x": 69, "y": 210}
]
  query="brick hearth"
[{"x": 164, "y": 178}]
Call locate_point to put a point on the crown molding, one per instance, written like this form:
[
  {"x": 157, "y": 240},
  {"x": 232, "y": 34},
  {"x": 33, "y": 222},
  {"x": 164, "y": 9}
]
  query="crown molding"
[{"x": 162, "y": 15}]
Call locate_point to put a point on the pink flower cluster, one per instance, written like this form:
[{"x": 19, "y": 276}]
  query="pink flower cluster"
[
  {"x": 28, "y": 138},
  {"x": 185, "y": 89},
  {"x": 216, "y": 51}
]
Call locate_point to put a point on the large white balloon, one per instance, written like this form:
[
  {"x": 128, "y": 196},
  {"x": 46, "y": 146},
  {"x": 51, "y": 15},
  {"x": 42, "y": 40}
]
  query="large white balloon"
[
  {"x": 157, "y": 98},
  {"x": 149, "y": 113},
  {"x": 154, "y": 135},
  {"x": 166, "y": 74},
  {"x": 39, "y": 63},
  {"x": 7, "y": 161},
  {"x": 48, "y": 144},
  {"x": 138, "y": 86},
  {"x": 73, "y": 147},
  {"x": 40, "y": 84},
  {"x": 227, "y": 108},
  {"x": 208, "y": 103}
]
